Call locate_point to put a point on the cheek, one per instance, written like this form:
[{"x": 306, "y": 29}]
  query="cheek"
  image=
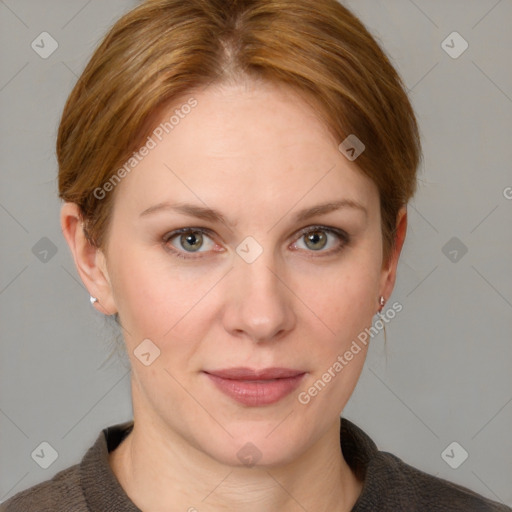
[
  {"x": 156, "y": 298},
  {"x": 346, "y": 305},
  {"x": 345, "y": 297}
]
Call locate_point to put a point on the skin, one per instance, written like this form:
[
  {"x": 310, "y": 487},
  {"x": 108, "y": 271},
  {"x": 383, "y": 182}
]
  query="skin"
[{"x": 258, "y": 153}]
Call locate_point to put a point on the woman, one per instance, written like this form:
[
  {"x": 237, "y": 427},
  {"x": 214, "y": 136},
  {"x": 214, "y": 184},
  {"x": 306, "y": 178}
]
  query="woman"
[{"x": 274, "y": 139}]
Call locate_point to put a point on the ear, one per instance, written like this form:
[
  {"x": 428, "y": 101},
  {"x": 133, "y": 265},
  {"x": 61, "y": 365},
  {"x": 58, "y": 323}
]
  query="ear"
[
  {"x": 389, "y": 267},
  {"x": 90, "y": 261}
]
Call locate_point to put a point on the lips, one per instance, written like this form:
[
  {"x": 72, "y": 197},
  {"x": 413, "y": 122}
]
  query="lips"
[
  {"x": 250, "y": 374},
  {"x": 253, "y": 387}
]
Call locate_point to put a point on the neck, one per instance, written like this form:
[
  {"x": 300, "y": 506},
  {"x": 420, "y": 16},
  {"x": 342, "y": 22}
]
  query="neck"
[{"x": 168, "y": 474}]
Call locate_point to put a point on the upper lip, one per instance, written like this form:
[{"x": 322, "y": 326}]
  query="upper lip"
[{"x": 243, "y": 373}]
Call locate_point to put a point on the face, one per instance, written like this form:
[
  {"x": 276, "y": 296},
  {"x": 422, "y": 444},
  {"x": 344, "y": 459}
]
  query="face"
[{"x": 263, "y": 284}]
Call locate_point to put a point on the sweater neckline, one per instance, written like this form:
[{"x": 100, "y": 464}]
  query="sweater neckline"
[
  {"x": 101, "y": 487},
  {"x": 103, "y": 491}
]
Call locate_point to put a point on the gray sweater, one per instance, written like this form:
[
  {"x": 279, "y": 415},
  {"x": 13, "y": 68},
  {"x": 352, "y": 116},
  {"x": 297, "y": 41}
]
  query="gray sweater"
[{"x": 389, "y": 483}]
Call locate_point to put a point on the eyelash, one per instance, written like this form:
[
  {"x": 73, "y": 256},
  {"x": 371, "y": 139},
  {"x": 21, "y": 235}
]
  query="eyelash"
[{"x": 342, "y": 236}]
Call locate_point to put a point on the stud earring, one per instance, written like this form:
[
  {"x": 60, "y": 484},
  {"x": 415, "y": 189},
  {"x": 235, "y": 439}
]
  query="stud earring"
[{"x": 93, "y": 299}]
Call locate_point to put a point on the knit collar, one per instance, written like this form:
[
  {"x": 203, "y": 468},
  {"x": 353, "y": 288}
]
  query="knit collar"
[
  {"x": 103, "y": 491},
  {"x": 101, "y": 488}
]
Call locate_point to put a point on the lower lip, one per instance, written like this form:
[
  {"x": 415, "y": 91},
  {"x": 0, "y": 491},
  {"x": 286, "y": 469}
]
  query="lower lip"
[{"x": 256, "y": 393}]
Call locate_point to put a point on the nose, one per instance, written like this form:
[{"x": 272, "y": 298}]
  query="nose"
[{"x": 260, "y": 305}]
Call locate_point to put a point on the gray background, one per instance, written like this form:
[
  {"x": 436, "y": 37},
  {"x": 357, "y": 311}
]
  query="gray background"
[{"x": 445, "y": 375}]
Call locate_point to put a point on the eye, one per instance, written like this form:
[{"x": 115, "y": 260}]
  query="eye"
[
  {"x": 183, "y": 243},
  {"x": 316, "y": 239},
  {"x": 188, "y": 240}
]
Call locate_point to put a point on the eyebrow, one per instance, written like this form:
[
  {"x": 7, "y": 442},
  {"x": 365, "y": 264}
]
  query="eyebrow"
[{"x": 212, "y": 215}]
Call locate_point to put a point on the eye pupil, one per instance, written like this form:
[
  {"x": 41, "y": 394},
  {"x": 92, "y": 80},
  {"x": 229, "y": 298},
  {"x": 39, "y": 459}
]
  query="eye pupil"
[
  {"x": 315, "y": 237},
  {"x": 194, "y": 238}
]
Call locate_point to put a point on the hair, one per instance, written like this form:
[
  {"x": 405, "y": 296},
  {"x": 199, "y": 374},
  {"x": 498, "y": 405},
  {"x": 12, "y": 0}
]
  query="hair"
[{"x": 163, "y": 49}]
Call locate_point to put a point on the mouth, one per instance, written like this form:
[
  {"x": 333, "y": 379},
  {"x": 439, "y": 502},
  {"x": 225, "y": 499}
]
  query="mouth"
[{"x": 256, "y": 387}]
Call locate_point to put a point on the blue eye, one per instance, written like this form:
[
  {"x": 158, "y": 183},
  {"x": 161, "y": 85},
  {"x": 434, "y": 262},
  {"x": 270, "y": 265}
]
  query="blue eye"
[{"x": 183, "y": 243}]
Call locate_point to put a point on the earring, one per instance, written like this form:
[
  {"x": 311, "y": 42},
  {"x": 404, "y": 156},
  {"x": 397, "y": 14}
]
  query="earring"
[
  {"x": 382, "y": 301},
  {"x": 93, "y": 299}
]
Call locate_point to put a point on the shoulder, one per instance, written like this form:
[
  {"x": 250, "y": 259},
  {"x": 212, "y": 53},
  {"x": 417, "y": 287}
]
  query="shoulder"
[
  {"x": 61, "y": 493},
  {"x": 391, "y": 485},
  {"x": 78, "y": 488},
  {"x": 399, "y": 486}
]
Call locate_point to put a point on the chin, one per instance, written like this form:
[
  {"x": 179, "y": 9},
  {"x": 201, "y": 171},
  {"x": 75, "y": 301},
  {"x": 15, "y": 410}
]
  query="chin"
[{"x": 256, "y": 444}]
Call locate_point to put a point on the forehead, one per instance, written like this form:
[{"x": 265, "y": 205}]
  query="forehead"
[{"x": 259, "y": 143}]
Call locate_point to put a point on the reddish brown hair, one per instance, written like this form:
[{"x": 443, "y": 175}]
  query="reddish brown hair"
[{"x": 164, "y": 48}]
